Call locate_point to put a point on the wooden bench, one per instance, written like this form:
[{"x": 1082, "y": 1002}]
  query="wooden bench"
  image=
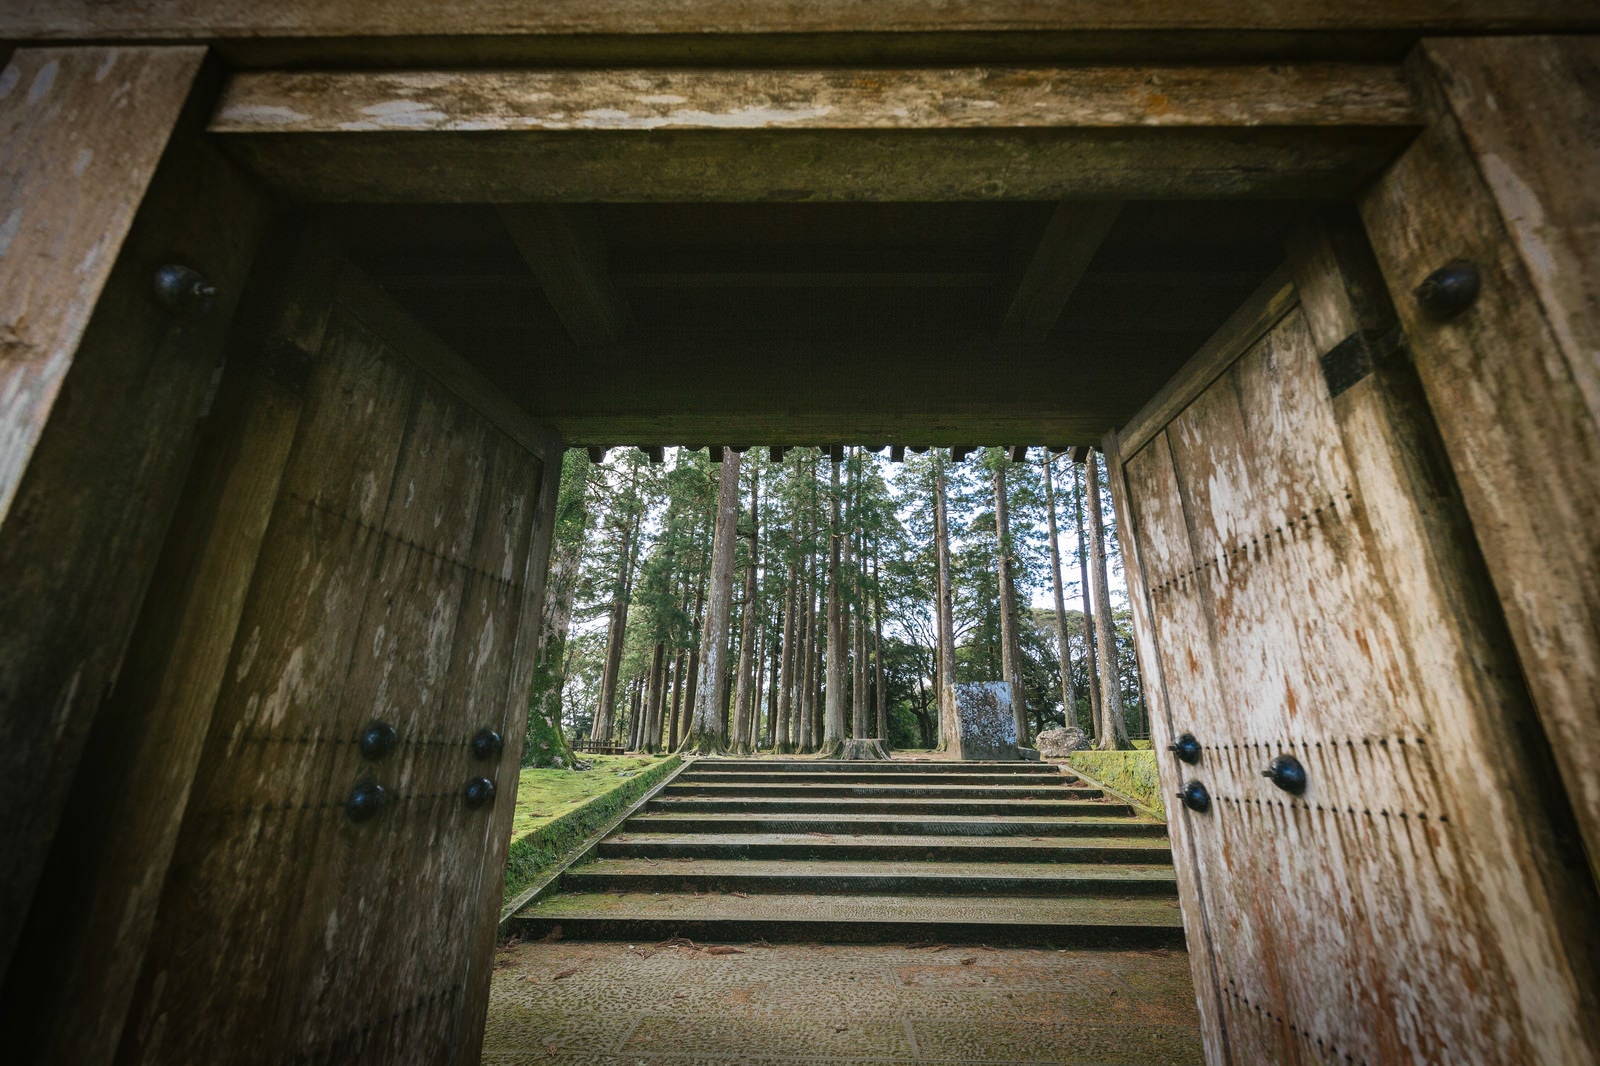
[{"x": 594, "y": 747}]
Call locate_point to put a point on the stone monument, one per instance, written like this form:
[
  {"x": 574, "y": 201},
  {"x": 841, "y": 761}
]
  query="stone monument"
[{"x": 988, "y": 730}]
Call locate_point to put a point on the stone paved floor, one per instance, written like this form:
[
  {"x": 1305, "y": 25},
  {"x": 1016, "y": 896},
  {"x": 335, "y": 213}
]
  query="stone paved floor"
[{"x": 612, "y": 1003}]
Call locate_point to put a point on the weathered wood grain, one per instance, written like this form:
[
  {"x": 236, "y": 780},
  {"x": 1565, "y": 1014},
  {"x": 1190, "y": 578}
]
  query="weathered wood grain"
[
  {"x": 1157, "y": 551},
  {"x": 1306, "y": 593},
  {"x": 83, "y": 130},
  {"x": 96, "y": 905},
  {"x": 352, "y": 18},
  {"x": 1511, "y": 381},
  {"x": 1332, "y": 94},
  {"x": 1265, "y": 307},
  {"x": 107, "y": 457}
]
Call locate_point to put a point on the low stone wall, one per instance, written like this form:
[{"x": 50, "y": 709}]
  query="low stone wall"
[
  {"x": 538, "y": 850},
  {"x": 1133, "y": 773}
]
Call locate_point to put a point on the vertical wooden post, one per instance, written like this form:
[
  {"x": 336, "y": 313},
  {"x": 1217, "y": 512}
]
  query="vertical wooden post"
[
  {"x": 104, "y": 177},
  {"x": 1503, "y": 177}
]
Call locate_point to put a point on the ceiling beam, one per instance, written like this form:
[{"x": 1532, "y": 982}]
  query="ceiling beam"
[
  {"x": 657, "y": 135},
  {"x": 1059, "y": 261},
  {"x": 245, "y": 19},
  {"x": 564, "y": 247}
]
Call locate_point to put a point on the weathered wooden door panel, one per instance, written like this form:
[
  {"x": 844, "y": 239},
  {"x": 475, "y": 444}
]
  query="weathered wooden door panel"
[
  {"x": 393, "y": 586},
  {"x": 1504, "y": 176},
  {"x": 1307, "y": 586}
]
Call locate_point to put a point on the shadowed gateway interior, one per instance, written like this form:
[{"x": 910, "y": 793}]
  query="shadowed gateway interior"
[{"x": 797, "y": 324}]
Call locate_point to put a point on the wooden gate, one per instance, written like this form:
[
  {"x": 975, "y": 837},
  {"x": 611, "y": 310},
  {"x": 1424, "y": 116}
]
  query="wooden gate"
[
  {"x": 1307, "y": 588},
  {"x": 333, "y": 889}
]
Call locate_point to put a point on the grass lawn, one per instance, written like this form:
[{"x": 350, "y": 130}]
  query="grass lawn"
[{"x": 545, "y": 795}]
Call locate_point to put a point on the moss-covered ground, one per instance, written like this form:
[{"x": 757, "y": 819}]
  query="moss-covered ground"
[
  {"x": 1132, "y": 773},
  {"x": 557, "y": 810}
]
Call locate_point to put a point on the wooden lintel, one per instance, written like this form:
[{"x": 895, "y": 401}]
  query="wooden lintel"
[
  {"x": 563, "y": 246},
  {"x": 1060, "y": 259},
  {"x": 664, "y": 134},
  {"x": 897, "y": 453},
  {"x": 230, "y": 20},
  {"x": 920, "y": 449}
]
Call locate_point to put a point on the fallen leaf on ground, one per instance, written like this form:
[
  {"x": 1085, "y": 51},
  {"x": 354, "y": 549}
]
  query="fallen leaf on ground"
[
  {"x": 969, "y": 960},
  {"x": 564, "y": 974},
  {"x": 723, "y": 949}
]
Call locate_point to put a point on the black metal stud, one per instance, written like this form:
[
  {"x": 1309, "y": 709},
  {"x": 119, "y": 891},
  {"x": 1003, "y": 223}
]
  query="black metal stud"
[
  {"x": 184, "y": 290},
  {"x": 1195, "y": 797},
  {"x": 1187, "y": 749},
  {"x": 1287, "y": 773},
  {"x": 365, "y": 801},
  {"x": 487, "y": 744},
  {"x": 378, "y": 740},
  {"x": 1450, "y": 290},
  {"x": 478, "y": 793}
]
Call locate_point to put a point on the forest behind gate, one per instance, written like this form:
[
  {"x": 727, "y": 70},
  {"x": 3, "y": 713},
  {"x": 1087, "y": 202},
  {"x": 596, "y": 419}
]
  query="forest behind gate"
[{"x": 831, "y": 548}]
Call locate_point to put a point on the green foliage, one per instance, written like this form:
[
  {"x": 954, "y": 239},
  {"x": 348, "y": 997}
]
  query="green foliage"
[
  {"x": 1133, "y": 773},
  {"x": 557, "y": 810}
]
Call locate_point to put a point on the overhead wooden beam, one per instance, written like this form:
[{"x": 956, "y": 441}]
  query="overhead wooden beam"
[
  {"x": 563, "y": 246},
  {"x": 961, "y": 451},
  {"x": 248, "y": 19},
  {"x": 1312, "y": 129},
  {"x": 1059, "y": 261}
]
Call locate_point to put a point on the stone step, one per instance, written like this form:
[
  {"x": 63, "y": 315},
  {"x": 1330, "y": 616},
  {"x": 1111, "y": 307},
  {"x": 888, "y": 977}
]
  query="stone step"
[
  {"x": 1073, "y": 921},
  {"x": 892, "y": 825},
  {"x": 884, "y": 790},
  {"x": 858, "y": 846},
  {"x": 758, "y": 806},
  {"x": 842, "y": 766},
  {"x": 754, "y": 777},
  {"x": 875, "y": 877}
]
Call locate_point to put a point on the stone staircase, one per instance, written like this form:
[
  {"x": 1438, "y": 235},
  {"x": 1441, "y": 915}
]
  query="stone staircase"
[{"x": 852, "y": 852}]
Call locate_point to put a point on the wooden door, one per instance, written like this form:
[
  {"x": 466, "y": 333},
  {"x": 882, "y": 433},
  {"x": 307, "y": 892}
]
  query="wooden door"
[
  {"x": 397, "y": 581},
  {"x": 1306, "y": 584}
]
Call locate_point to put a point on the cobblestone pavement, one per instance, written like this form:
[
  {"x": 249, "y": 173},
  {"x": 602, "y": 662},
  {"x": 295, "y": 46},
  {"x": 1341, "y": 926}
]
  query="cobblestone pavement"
[{"x": 614, "y": 1003}]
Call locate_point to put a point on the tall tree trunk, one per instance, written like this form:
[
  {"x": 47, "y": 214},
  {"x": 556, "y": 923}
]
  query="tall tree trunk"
[
  {"x": 658, "y": 692},
  {"x": 744, "y": 705},
  {"x": 774, "y": 679},
  {"x": 784, "y": 737},
  {"x": 834, "y": 693},
  {"x": 1089, "y": 656},
  {"x": 1010, "y": 638},
  {"x": 1114, "y": 727},
  {"x": 949, "y": 726},
  {"x": 860, "y": 724},
  {"x": 680, "y": 666},
  {"x": 1069, "y": 697},
  {"x": 705, "y": 733},
  {"x": 604, "y": 715},
  {"x": 545, "y": 741},
  {"x": 881, "y": 696}
]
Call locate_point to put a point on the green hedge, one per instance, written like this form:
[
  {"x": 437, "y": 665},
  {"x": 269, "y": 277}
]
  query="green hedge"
[
  {"x": 1132, "y": 773},
  {"x": 534, "y": 852}
]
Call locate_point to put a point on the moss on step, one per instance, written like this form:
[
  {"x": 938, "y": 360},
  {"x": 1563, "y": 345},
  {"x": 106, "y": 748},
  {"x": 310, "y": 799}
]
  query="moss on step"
[
  {"x": 557, "y": 810},
  {"x": 1133, "y": 773}
]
